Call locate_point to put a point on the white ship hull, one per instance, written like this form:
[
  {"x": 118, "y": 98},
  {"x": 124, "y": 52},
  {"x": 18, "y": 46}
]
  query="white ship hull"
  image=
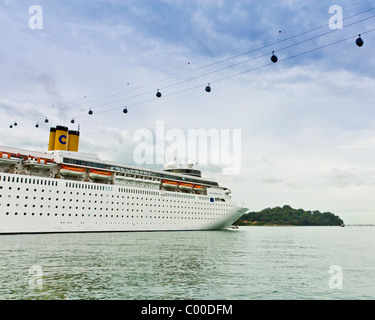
[{"x": 33, "y": 204}]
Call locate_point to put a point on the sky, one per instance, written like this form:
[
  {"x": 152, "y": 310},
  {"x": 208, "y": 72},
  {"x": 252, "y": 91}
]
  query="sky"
[{"x": 299, "y": 132}]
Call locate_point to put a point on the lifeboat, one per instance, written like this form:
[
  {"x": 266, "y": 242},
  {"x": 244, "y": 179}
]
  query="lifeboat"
[
  {"x": 8, "y": 158},
  {"x": 198, "y": 189},
  {"x": 72, "y": 171},
  {"x": 185, "y": 186},
  {"x": 170, "y": 185},
  {"x": 100, "y": 175},
  {"x": 39, "y": 163}
]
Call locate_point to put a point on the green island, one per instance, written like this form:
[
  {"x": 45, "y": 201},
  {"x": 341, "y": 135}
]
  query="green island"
[{"x": 287, "y": 216}]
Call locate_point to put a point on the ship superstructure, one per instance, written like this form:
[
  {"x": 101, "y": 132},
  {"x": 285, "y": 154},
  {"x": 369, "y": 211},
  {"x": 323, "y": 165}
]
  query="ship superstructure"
[{"x": 64, "y": 190}]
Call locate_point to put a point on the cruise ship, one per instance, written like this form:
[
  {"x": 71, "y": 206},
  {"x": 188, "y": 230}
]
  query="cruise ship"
[{"x": 64, "y": 190}]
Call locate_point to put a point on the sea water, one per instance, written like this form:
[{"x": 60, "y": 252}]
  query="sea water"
[{"x": 246, "y": 264}]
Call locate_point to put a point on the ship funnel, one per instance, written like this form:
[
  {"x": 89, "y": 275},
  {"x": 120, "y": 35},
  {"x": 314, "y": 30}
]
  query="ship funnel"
[
  {"x": 61, "y": 138},
  {"x": 51, "y": 144},
  {"x": 73, "y": 140}
]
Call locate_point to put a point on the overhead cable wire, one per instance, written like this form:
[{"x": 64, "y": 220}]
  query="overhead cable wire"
[
  {"x": 227, "y": 67},
  {"x": 222, "y": 61},
  {"x": 249, "y": 70}
]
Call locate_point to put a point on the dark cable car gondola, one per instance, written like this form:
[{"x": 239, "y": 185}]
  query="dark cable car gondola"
[
  {"x": 15, "y": 124},
  {"x": 90, "y": 112},
  {"x": 125, "y": 110},
  {"x": 158, "y": 94},
  {"x": 274, "y": 58},
  {"x": 37, "y": 125},
  {"x": 208, "y": 88},
  {"x": 11, "y": 126},
  {"x": 359, "y": 41},
  {"x": 46, "y": 121},
  {"x": 72, "y": 121}
]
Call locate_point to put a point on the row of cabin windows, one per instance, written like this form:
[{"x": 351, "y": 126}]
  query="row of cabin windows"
[
  {"x": 180, "y": 195},
  {"x": 88, "y": 186},
  {"x": 217, "y": 203},
  {"x": 108, "y": 188},
  {"x": 137, "y": 191},
  {"x": 28, "y": 180},
  {"x": 122, "y": 203},
  {"x": 115, "y": 216},
  {"x": 128, "y": 197}
]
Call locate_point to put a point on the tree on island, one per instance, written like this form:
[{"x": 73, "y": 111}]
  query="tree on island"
[{"x": 287, "y": 216}]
